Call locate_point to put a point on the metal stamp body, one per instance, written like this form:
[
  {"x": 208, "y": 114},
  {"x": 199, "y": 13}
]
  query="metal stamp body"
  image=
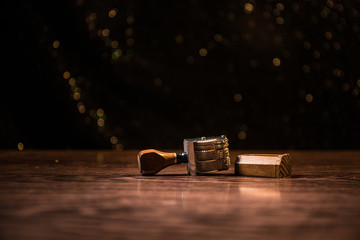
[{"x": 207, "y": 155}]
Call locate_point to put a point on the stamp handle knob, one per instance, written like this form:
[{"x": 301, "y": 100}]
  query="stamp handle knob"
[{"x": 152, "y": 161}]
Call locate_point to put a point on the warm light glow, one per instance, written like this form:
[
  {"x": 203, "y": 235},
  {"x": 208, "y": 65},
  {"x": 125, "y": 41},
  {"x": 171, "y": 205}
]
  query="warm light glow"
[
  {"x": 157, "y": 82},
  {"x": 346, "y": 87},
  {"x": 119, "y": 147},
  {"x": 280, "y": 20},
  {"x": 114, "y": 140},
  {"x": 116, "y": 54},
  {"x": 218, "y": 38},
  {"x": 72, "y": 82},
  {"x": 253, "y": 63},
  {"x": 106, "y": 32},
  {"x": 238, "y": 97},
  {"x": 337, "y": 46},
  {"x": 82, "y": 109},
  {"x": 307, "y": 45},
  {"x": 230, "y": 16},
  {"x": 66, "y": 75},
  {"x": 316, "y": 54},
  {"x": 179, "y": 39},
  {"x": 309, "y": 98},
  {"x": 248, "y": 8},
  {"x": 276, "y": 62},
  {"x": 20, "y": 146},
  {"x": 129, "y": 32},
  {"x": 76, "y": 96},
  {"x": 242, "y": 135},
  {"x": 56, "y": 44},
  {"x": 280, "y": 6},
  {"x": 130, "y": 42},
  {"x": 328, "y": 35},
  {"x": 306, "y": 68},
  {"x": 251, "y": 24},
  {"x": 203, "y": 52},
  {"x": 114, "y": 44},
  {"x": 100, "y": 122},
  {"x": 130, "y": 19},
  {"x": 112, "y": 13},
  {"x": 100, "y": 112},
  {"x": 190, "y": 60}
]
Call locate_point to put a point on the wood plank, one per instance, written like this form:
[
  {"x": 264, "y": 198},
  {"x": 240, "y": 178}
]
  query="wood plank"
[{"x": 101, "y": 195}]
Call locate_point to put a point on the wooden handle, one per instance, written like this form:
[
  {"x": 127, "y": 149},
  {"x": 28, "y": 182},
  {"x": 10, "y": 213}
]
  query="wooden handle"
[{"x": 152, "y": 161}]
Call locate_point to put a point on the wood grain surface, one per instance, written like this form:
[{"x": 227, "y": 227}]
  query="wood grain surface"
[{"x": 101, "y": 195}]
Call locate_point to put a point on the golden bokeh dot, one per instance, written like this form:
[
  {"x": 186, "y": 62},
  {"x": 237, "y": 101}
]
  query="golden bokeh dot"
[
  {"x": 119, "y": 147},
  {"x": 56, "y": 44},
  {"x": 211, "y": 44},
  {"x": 306, "y": 68},
  {"x": 253, "y": 63},
  {"x": 203, "y": 52},
  {"x": 157, "y": 82},
  {"x": 100, "y": 112},
  {"x": 355, "y": 92},
  {"x": 326, "y": 46},
  {"x": 337, "y": 46},
  {"x": 328, "y": 35},
  {"x": 280, "y": 6},
  {"x": 238, "y": 97},
  {"x": 179, "y": 39},
  {"x": 129, "y": 32},
  {"x": 114, "y": 140},
  {"x": 316, "y": 54},
  {"x": 66, "y": 75},
  {"x": 244, "y": 127},
  {"x": 100, "y": 122},
  {"x": 307, "y": 45},
  {"x": 105, "y": 32},
  {"x": 266, "y": 15},
  {"x": 130, "y": 19},
  {"x": 242, "y": 135},
  {"x": 112, "y": 13},
  {"x": 309, "y": 98},
  {"x": 130, "y": 42},
  {"x": 114, "y": 44},
  {"x": 248, "y": 8},
  {"x": 251, "y": 24},
  {"x": 276, "y": 12},
  {"x": 190, "y": 60},
  {"x": 276, "y": 62},
  {"x": 218, "y": 37},
  {"x": 72, "y": 82},
  {"x": 280, "y": 20},
  {"x": 20, "y": 146},
  {"x": 230, "y": 16},
  {"x": 116, "y": 54},
  {"x": 76, "y": 96},
  {"x": 82, "y": 109}
]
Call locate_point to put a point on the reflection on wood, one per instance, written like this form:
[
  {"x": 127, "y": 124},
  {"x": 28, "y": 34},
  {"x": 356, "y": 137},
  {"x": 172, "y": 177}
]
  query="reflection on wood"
[{"x": 101, "y": 195}]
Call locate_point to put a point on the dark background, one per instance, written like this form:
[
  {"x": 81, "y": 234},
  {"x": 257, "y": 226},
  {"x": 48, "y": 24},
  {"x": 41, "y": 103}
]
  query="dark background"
[{"x": 160, "y": 89}]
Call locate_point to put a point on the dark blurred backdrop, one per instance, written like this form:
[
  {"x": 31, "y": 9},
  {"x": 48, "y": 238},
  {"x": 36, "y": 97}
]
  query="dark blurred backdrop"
[{"x": 139, "y": 74}]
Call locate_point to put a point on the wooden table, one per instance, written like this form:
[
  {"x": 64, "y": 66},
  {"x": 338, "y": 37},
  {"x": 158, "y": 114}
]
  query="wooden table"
[{"x": 101, "y": 195}]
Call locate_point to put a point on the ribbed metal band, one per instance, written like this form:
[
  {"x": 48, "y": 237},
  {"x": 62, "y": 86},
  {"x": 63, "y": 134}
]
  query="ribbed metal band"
[{"x": 211, "y": 154}]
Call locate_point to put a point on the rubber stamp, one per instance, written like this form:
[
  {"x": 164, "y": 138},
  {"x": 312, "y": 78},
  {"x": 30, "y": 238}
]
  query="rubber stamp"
[{"x": 205, "y": 155}]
